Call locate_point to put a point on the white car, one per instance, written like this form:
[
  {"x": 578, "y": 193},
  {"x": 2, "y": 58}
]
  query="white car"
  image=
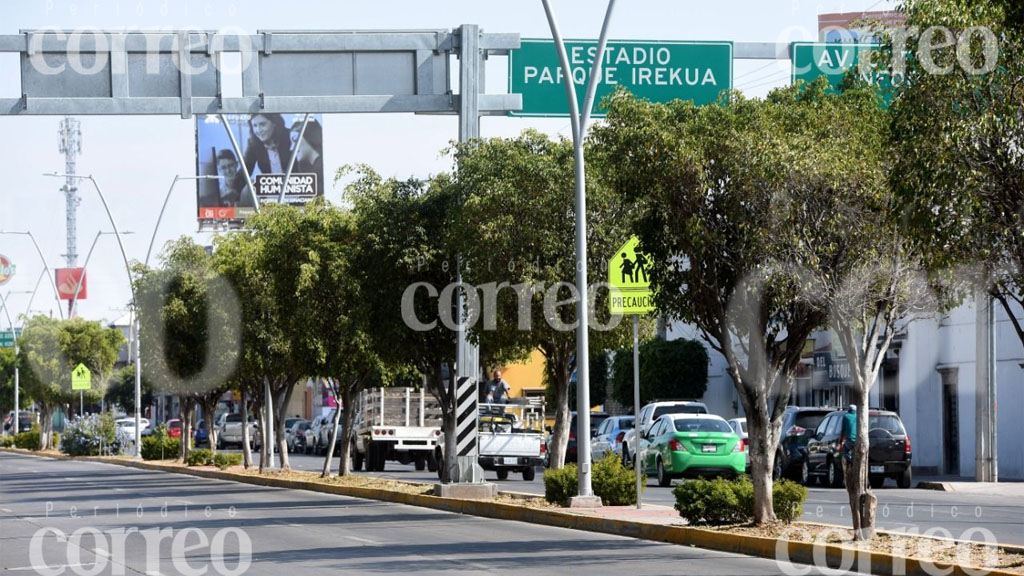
[
  {"x": 650, "y": 413},
  {"x": 739, "y": 426},
  {"x": 128, "y": 425}
]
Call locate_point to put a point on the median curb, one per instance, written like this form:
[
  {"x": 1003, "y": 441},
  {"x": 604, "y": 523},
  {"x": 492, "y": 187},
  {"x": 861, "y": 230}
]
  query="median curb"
[
  {"x": 940, "y": 486},
  {"x": 833, "y": 556}
]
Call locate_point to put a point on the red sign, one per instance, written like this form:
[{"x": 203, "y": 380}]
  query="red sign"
[
  {"x": 67, "y": 283},
  {"x": 6, "y": 269},
  {"x": 213, "y": 213}
]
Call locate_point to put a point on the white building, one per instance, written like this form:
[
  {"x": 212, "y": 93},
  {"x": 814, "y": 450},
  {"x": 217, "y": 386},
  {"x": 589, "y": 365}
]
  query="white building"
[{"x": 928, "y": 378}]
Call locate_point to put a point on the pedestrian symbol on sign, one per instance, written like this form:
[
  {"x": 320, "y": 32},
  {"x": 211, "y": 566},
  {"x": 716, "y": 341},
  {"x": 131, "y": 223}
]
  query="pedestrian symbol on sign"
[
  {"x": 81, "y": 378},
  {"x": 628, "y": 274}
]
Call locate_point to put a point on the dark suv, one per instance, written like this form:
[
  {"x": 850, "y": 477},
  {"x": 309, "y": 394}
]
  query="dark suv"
[
  {"x": 798, "y": 425},
  {"x": 889, "y": 454},
  {"x": 596, "y": 418}
]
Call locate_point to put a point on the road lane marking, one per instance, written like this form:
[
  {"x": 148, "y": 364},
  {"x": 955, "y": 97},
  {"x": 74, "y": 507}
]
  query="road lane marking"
[{"x": 364, "y": 540}]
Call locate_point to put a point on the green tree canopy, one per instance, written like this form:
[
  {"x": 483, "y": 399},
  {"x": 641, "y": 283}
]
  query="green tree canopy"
[{"x": 669, "y": 370}]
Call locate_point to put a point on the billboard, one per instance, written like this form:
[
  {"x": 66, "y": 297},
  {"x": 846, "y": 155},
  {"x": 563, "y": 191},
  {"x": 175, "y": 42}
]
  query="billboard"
[
  {"x": 7, "y": 269},
  {"x": 267, "y": 142},
  {"x": 67, "y": 283}
]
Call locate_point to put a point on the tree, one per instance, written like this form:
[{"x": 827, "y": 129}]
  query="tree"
[
  {"x": 516, "y": 232},
  {"x": 7, "y": 363},
  {"x": 600, "y": 373},
  {"x": 959, "y": 148},
  {"x": 669, "y": 369},
  {"x": 51, "y": 349},
  {"x": 190, "y": 319},
  {"x": 405, "y": 230},
  {"x": 121, "y": 391},
  {"x": 318, "y": 291},
  {"x": 712, "y": 190}
]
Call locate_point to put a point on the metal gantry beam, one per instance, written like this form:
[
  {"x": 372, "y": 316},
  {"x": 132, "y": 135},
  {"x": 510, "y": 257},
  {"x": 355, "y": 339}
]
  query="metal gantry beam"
[{"x": 180, "y": 72}]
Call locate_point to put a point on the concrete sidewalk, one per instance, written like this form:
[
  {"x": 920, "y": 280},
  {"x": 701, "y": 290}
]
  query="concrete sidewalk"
[{"x": 1011, "y": 489}]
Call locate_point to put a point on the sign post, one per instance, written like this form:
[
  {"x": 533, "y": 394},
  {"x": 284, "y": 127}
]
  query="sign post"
[
  {"x": 628, "y": 275},
  {"x": 655, "y": 71},
  {"x": 81, "y": 380}
]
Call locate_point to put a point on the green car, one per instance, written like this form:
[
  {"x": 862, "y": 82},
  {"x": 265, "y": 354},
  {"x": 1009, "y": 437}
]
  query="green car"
[{"x": 680, "y": 445}]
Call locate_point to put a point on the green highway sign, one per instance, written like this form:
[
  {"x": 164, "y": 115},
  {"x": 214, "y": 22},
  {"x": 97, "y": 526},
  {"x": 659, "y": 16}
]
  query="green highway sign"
[
  {"x": 81, "y": 378},
  {"x": 628, "y": 275},
  {"x": 7, "y": 337},
  {"x": 812, "y": 60},
  {"x": 656, "y": 71}
]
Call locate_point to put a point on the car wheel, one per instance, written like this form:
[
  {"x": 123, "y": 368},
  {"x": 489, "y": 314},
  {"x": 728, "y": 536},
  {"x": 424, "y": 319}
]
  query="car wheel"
[
  {"x": 805, "y": 473},
  {"x": 905, "y": 478},
  {"x": 777, "y": 468},
  {"x": 502, "y": 474},
  {"x": 626, "y": 460},
  {"x": 529, "y": 474},
  {"x": 835, "y": 474},
  {"x": 432, "y": 463},
  {"x": 876, "y": 481},
  {"x": 664, "y": 480},
  {"x": 220, "y": 443},
  {"x": 357, "y": 459}
]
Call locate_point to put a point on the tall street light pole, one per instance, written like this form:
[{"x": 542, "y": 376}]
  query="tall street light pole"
[
  {"x": 135, "y": 322},
  {"x": 579, "y": 120},
  {"x": 14, "y": 332}
]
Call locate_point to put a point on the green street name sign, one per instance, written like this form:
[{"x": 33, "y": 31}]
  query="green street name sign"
[
  {"x": 81, "y": 378},
  {"x": 812, "y": 60},
  {"x": 655, "y": 71},
  {"x": 629, "y": 278},
  {"x": 7, "y": 338}
]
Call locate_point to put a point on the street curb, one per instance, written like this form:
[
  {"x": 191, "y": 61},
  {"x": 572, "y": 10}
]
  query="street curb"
[
  {"x": 830, "y": 555},
  {"x": 940, "y": 486}
]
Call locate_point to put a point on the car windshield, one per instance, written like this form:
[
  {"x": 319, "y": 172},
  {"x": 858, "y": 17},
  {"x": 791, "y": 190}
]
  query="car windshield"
[
  {"x": 743, "y": 426},
  {"x": 888, "y": 422},
  {"x": 625, "y": 424},
  {"x": 701, "y": 425},
  {"x": 678, "y": 409}
]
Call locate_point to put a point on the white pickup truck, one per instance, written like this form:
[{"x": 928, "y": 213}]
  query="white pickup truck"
[
  {"x": 400, "y": 424},
  {"x": 510, "y": 439}
]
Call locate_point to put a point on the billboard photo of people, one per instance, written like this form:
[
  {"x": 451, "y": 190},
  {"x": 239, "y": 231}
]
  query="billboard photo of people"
[{"x": 268, "y": 142}]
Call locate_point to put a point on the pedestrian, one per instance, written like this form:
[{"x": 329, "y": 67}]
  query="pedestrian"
[
  {"x": 499, "y": 389},
  {"x": 849, "y": 432}
]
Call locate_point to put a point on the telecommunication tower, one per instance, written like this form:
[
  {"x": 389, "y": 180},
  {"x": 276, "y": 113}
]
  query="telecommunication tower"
[{"x": 71, "y": 146}]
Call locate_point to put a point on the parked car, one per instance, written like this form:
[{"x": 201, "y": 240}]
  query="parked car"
[
  {"x": 678, "y": 445},
  {"x": 128, "y": 425},
  {"x": 231, "y": 432},
  {"x": 739, "y": 426},
  {"x": 26, "y": 420},
  {"x": 200, "y": 436},
  {"x": 889, "y": 451},
  {"x": 596, "y": 419},
  {"x": 296, "y": 436},
  {"x": 324, "y": 434},
  {"x": 650, "y": 413},
  {"x": 609, "y": 436},
  {"x": 312, "y": 435},
  {"x": 798, "y": 425},
  {"x": 174, "y": 428}
]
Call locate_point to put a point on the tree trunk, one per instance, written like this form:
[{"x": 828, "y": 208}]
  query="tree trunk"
[
  {"x": 862, "y": 501},
  {"x": 182, "y": 421},
  {"x": 246, "y": 451},
  {"x": 347, "y": 433},
  {"x": 558, "y": 372},
  {"x": 262, "y": 421},
  {"x": 209, "y": 406},
  {"x": 333, "y": 436},
  {"x": 762, "y": 458},
  {"x": 282, "y": 415},
  {"x": 45, "y": 427}
]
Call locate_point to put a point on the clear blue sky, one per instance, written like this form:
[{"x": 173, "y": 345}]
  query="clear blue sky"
[{"x": 135, "y": 159}]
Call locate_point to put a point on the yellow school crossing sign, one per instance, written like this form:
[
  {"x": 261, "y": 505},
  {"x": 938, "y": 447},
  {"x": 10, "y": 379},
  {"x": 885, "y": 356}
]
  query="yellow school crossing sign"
[
  {"x": 629, "y": 276},
  {"x": 81, "y": 378}
]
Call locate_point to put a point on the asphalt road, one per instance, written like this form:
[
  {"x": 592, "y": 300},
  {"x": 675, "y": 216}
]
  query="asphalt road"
[
  {"x": 947, "y": 514},
  {"x": 121, "y": 520}
]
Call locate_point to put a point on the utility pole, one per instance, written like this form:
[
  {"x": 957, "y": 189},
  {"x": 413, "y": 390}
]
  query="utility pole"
[{"x": 70, "y": 145}]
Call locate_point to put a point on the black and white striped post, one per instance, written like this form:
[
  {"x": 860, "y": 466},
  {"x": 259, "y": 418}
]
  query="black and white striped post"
[{"x": 467, "y": 448}]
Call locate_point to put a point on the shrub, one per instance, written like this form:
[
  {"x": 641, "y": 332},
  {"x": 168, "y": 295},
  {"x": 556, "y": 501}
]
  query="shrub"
[
  {"x": 6, "y": 441},
  {"x": 728, "y": 502},
  {"x": 788, "y": 500},
  {"x": 160, "y": 446},
  {"x": 29, "y": 440},
  {"x": 223, "y": 461},
  {"x": 613, "y": 482},
  {"x": 200, "y": 457},
  {"x": 561, "y": 484},
  {"x": 708, "y": 502},
  {"x": 93, "y": 435}
]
